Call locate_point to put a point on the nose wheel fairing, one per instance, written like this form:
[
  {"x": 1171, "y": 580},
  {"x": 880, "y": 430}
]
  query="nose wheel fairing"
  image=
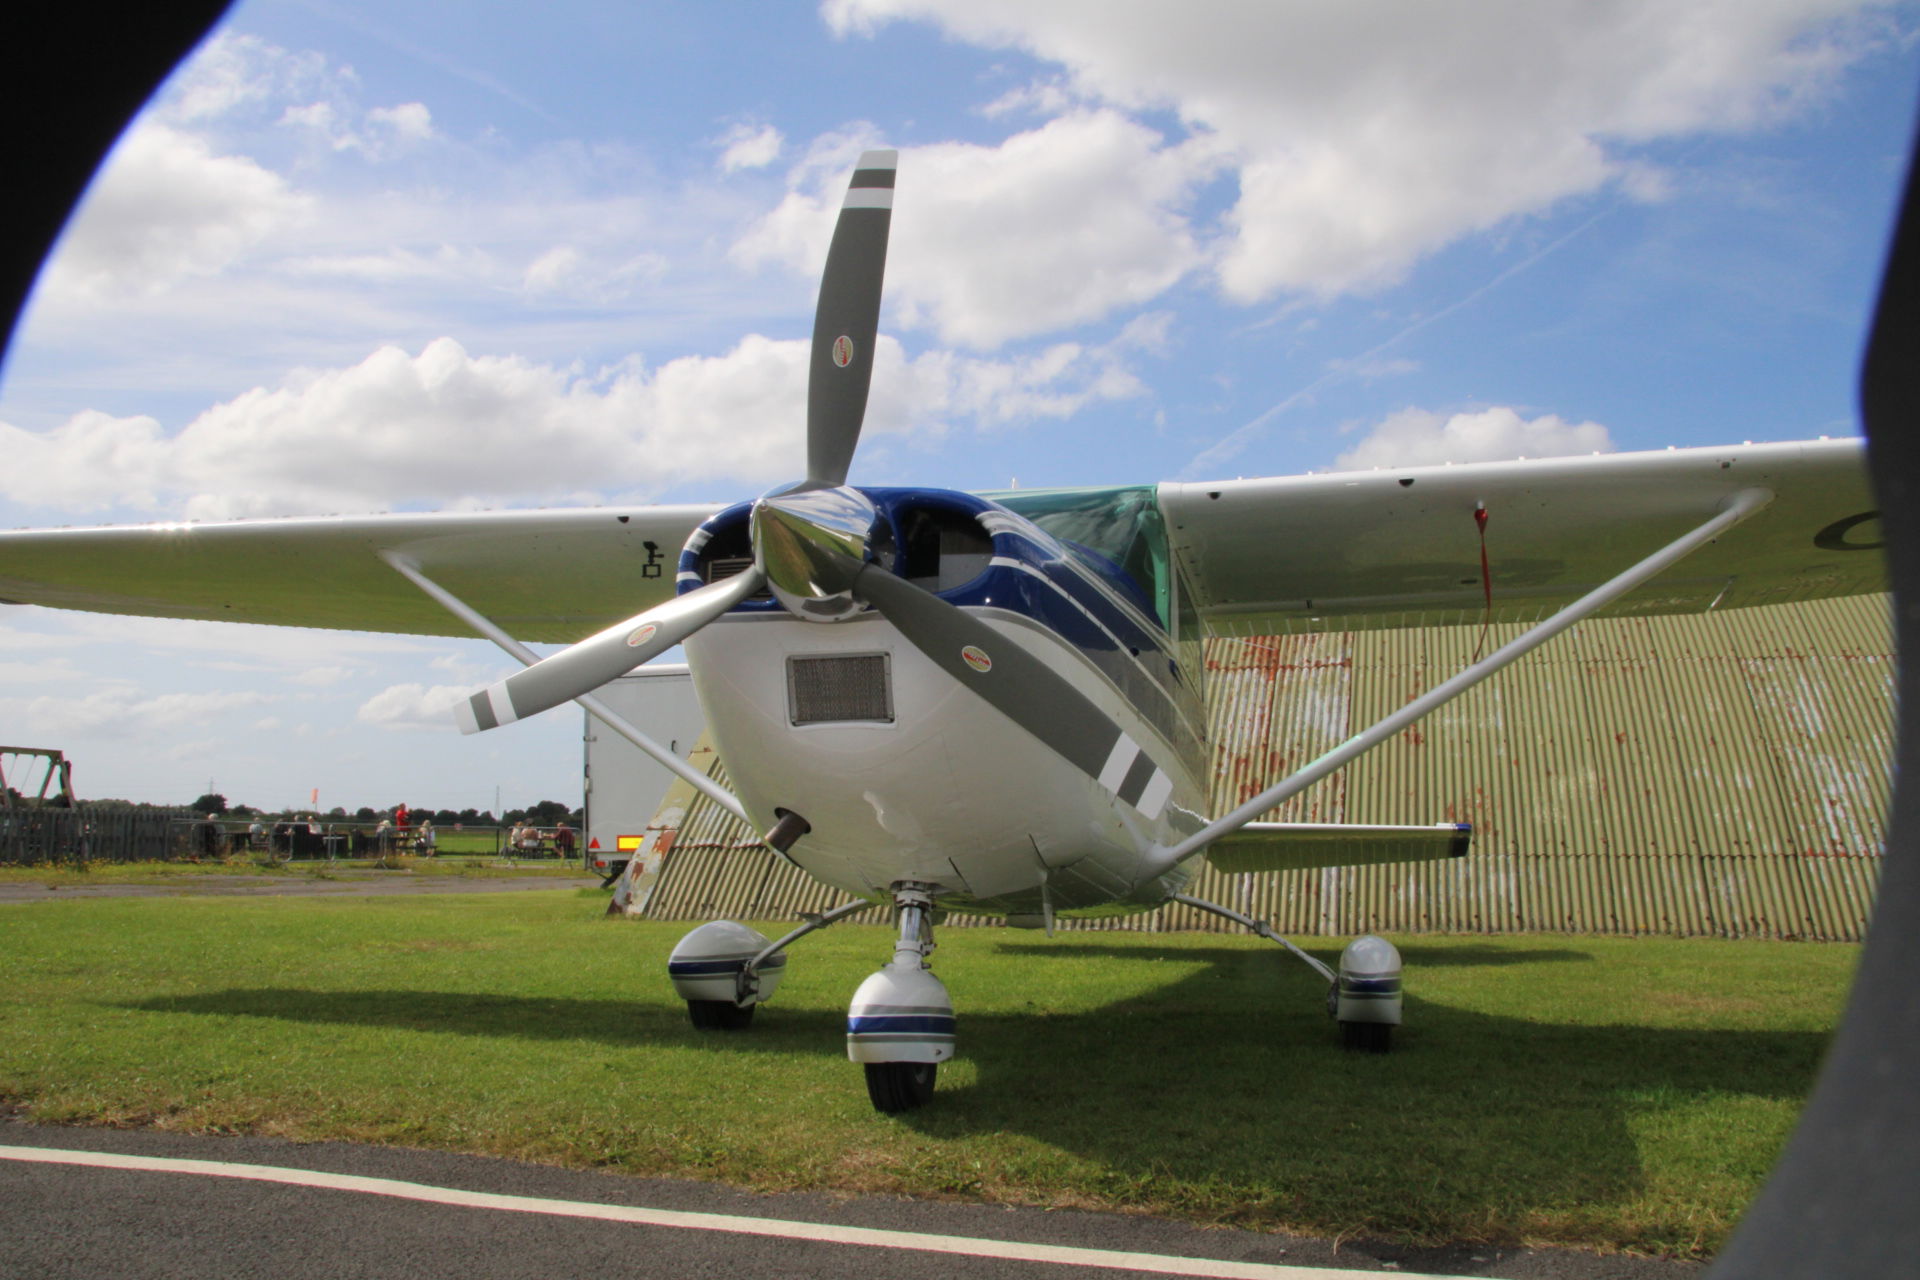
[{"x": 900, "y": 1025}]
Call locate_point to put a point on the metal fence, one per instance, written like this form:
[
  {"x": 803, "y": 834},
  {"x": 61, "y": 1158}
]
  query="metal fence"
[
  {"x": 51, "y": 836},
  {"x": 1718, "y": 774},
  {"x": 303, "y": 839},
  {"x": 31, "y": 836}
]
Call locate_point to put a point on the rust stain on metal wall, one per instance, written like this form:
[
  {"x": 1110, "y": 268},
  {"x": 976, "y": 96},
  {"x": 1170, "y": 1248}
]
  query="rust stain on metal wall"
[{"x": 1722, "y": 774}]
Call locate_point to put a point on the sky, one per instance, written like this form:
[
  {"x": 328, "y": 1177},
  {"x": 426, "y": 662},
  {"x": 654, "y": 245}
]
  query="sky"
[{"x": 360, "y": 257}]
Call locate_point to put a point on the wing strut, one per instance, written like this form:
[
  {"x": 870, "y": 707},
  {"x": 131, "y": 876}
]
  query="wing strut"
[
  {"x": 1260, "y": 927},
  {"x": 598, "y": 709},
  {"x": 1735, "y": 509}
]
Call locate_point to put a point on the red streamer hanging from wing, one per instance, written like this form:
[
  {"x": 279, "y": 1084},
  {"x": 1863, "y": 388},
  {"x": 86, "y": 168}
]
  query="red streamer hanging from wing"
[{"x": 1486, "y": 578}]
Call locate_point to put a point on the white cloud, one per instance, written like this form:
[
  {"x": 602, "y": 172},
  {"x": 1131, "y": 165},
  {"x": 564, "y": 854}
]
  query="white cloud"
[
  {"x": 1420, "y": 437},
  {"x": 565, "y": 272},
  {"x": 551, "y": 269},
  {"x": 461, "y": 667},
  {"x": 321, "y": 677},
  {"x": 190, "y": 752},
  {"x": 1055, "y": 227},
  {"x": 1055, "y": 382},
  {"x": 262, "y": 209},
  {"x": 181, "y": 642},
  {"x": 746, "y": 147},
  {"x": 378, "y": 134},
  {"x": 37, "y": 673},
  {"x": 408, "y": 122},
  {"x": 412, "y": 706},
  {"x": 1049, "y": 97},
  {"x": 63, "y": 468},
  {"x": 1366, "y": 136},
  {"x": 231, "y": 73},
  {"x": 449, "y": 428},
  {"x": 123, "y": 709},
  {"x": 166, "y": 207},
  {"x": 236, "y": 79}
]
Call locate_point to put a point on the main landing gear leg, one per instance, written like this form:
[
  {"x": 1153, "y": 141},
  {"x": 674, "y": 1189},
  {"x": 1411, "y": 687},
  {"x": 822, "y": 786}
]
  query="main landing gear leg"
[
  {"x": 900, "y": 1024},
  {"x": 1363, "y": 997}
]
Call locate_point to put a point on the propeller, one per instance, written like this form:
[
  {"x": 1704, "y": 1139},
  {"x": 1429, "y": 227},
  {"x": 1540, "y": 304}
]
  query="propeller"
[
  {"x": 815, "y": 545},
  {"x": 607, "y": 655},
  {"x": 841, "y": 370},
  {"x": 847, "y": 321},
  {"x": 1020, "y": 686}
]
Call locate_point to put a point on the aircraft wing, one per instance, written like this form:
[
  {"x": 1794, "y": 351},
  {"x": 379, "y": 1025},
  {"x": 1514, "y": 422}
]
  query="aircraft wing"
[
  {"x": 1373, "y": 549},
  {"x": 1293, "y": 846},
  {"x": 1348, "y": 549},
  {"x": 553, "y": 576}
]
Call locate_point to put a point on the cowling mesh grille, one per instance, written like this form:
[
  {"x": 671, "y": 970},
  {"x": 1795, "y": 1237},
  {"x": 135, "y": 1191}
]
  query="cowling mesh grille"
[{"x": 839, "y": 687}]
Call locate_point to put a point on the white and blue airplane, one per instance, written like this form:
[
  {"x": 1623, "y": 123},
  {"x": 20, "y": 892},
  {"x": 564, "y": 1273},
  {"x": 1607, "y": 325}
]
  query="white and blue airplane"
[{"x": 945, "y": 701}]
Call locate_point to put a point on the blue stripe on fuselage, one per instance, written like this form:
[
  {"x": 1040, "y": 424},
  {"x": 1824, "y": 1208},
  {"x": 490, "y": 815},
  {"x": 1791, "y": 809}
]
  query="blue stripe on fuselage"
[{"x": 1057, "y": 595}]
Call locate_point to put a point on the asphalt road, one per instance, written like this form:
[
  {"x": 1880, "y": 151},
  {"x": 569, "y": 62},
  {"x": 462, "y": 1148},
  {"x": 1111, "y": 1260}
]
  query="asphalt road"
[{"x": 65, "y": 1220}]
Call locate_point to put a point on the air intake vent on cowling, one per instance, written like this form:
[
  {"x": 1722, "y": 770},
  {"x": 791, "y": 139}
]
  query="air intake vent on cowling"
[
  {"x": 838, "y": 688},
  {"x": 722, "y": 567},
  {"x": 726, "y": 567}
]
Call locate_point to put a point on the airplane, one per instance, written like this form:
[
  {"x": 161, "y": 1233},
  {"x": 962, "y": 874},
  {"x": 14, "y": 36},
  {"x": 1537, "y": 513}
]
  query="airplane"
[{"x": 995, "y": 703}]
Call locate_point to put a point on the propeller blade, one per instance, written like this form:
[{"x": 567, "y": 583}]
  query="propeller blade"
[
  {"x": 1019, "y": 685},
  {"x": 607, "y": 655},
  {"x": 847, "y": 320}
]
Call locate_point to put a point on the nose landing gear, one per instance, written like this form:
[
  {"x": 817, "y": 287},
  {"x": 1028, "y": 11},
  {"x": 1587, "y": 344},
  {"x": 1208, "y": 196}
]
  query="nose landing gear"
[{"x": 900, "y": 1024}]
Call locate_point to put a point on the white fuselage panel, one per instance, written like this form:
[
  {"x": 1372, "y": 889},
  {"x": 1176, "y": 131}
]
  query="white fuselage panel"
[{"x": 950, "y": 793}]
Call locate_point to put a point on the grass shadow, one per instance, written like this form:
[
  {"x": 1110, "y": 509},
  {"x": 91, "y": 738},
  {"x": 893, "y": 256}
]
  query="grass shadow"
[
  {"x": 1412, "y": 953},
  {"x": 1473, "y": 1118},
  {"x": 612, "y": 1023},
  {"x": 1224, "y": 1086}
]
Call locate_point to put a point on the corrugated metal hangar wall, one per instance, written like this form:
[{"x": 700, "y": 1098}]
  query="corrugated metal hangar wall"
[{"x": 1722, "y": 774}]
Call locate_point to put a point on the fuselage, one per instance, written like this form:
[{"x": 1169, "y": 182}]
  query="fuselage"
[{"x": 903, "y": 774}]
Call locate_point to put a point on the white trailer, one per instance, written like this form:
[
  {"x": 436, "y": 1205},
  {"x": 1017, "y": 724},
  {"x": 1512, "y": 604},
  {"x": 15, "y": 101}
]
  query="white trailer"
[{"x": 623, "y": 785}]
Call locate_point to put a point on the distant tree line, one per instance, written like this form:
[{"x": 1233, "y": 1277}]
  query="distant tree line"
[{"x": 544, "y": 814}]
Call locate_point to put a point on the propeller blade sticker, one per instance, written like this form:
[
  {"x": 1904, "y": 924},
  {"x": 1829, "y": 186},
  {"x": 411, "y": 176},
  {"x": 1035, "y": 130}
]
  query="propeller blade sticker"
[
  {"x": 843, "y": 351},
  {"x": 641, "y": 635},
  {"x": 976, "y": 657}
]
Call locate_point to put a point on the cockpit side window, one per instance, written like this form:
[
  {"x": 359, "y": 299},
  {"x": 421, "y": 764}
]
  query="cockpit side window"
[
  {"x": 1189, "y": 632},
  {"x": 940, "y": 550}
]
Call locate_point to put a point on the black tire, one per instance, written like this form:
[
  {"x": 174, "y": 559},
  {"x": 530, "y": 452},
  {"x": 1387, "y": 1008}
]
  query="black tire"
[
  {"x": 1366, "y": 1037},
  {"x": 900, "y": 1086},
  {"x": 720, "y": 1015}
]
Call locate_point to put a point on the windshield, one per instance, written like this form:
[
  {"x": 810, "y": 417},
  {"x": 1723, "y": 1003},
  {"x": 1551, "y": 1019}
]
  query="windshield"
[{"x": 1123, "y": 526}]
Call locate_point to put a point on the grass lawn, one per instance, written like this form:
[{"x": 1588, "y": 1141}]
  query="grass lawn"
[
  {"x": 1607, "y": 1092},
  {"x": 184, "y": 873}
]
